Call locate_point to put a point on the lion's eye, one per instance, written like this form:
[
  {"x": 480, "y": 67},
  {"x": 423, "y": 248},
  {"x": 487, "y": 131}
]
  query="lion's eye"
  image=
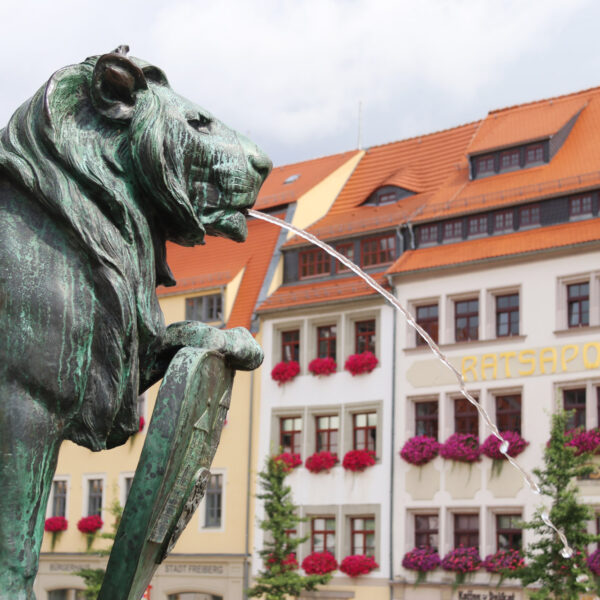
[{"x": 201, "y": 124}]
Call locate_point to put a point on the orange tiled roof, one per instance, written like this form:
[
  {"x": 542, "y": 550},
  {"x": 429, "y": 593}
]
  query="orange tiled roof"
[
  {"x": 275, "y": 192},
  {"x": 330, "y": 290},
  {"x": 219, "y": 261},
  {"x": 522, "y": 242}
]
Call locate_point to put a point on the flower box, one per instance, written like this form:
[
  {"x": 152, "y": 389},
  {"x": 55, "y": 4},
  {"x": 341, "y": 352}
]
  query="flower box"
[
  {"x": 462, "y": 560},
  {"x": 285, "y": 371},
  {"x": 422, "y": 560},
  {"x": 503, "y": 562},
  {"x": 358, "y": 564},
  {"x": 357, "y": 364},
  {"x": 420, "y": 449},
  {"x": 291, "y": 461},
  {"x": 90, "y": 524},
  {"x": 322, "y": 366},
  {"x": 491, "y": 446},
  {"x": 55, "y": 524},
  {"x": 583, "y": 441},
  {"x": 319, "y": 563},
  {"x": 461, "y": 447},
  {"x": 358, "y": 460},
  {"x": 321, "y": 461}
]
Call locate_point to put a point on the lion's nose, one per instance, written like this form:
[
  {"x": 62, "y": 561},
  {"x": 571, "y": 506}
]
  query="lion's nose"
[{"x": 261, "y": 162}]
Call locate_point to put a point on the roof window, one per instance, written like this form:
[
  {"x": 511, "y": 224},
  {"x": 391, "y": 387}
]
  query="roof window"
[
  {"x": 291, "y": 178},
  {"x": 387, "y": 194},
  {"x": 510, "y": 159}
]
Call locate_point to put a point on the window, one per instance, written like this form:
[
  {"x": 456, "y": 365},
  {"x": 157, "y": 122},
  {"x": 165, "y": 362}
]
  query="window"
[
  {"x": 428, "y": 234},
  {"x": 507, "y": 315},
  {"x": 534, "y": 153},
  {"x": 466, "y": 530},
  {"x": 453, "y": 230},
  {"x": 66, "y": 594},
  {"x": 127, "y": 482},
  {"x": 291, "y": 179},
  {"x": 364, "y": 428},
  {"x": 578, "y": 304},
  {"x": 95, "y": 496},
  {"x": 214, "y": 501},
  {"x": 509, "y": 536},
  {"x": 314, "y": 263},
  {"x": 426, "y": 418},
  {"x": 484, "y": 164},
  {"x": 362, "y": 535},
  {"x": 346, "y": 250},
  {"x": 477, "y": 225},
  {"x": 503, "y": 221},
  {"x": 580, "y": 206},
  {"x": 379, "y": 250},
  {"x": 427, "y": 531},
  {"x": 575, "y": 400},
  {"x": 466, "y": 417},
  {"x": 510, "y": 159},
  {"x": 529, "y": 216},
  {"x": 364, "y": 336},
  {"x": 327, "y": 428},
  {"x": 59, "y": 498},
  {"x": 508, "y": 412},
  {"x": 204, "y": 308},
  {"x": 427, "y": 318},
  {"x": 466, "y": 320},
  {"x": 290, "y": 434},
  {"x": 322, "y": 534},
  {"x": 290, "y": 345},
  {"x": 326, "y": 341}
]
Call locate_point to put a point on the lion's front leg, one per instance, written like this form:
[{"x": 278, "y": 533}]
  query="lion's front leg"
[{"x": 238, "y": 346}]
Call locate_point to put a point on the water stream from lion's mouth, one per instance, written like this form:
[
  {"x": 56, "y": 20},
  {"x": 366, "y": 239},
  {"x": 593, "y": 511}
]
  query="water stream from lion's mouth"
[{"x": 567, "y": 551}]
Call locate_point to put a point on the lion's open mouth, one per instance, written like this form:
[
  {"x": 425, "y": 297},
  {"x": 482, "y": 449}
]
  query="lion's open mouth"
[{"x": 226, "y": 222}]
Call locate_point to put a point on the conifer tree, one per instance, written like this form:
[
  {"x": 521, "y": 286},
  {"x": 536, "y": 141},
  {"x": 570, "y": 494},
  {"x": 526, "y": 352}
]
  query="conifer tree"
[
  {"x": 558, "y": 577},
  {"x": 279, "y": 577}
]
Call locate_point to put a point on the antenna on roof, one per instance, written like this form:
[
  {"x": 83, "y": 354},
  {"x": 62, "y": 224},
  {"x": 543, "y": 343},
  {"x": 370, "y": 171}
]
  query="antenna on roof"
[{"x": 359, "y": 141}]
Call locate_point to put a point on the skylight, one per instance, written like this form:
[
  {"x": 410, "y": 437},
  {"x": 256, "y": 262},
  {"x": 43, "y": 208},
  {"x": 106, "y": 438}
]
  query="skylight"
[{"x": 291, "y": 178}]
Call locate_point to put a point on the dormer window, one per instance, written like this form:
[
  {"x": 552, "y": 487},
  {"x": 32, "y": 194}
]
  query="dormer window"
[
  {"x": 534, "y": 153},
  {"x": 503, "y": 221},
  {"x": 291, "y": 179},
  {"x": 478, "y": 225},
  {"x": 387, "y": 194},
  {"x": 510, "y": 159},
  {"x": 453, "y": 230},
  {"x": 485, "y": 164},
  {"x": 428, "y": 234}
]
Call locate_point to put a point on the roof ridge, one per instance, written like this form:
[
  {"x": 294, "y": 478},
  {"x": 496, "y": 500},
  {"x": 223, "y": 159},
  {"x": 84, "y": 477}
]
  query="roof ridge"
[{"x": 301, "y": 162}]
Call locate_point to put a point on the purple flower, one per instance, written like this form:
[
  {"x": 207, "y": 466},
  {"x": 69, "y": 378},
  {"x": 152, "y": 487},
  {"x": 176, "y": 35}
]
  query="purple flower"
[
  {"x": 491, "y": 446},
  {"x": 420, "y": 449},
  {"x": 422, "y": 559},
  {"x": 462, "y": 447},
  {"x": 503, "y": 560},
  {"x": 462, "y": 560}
]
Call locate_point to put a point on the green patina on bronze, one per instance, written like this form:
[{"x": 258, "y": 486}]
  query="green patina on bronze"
[{"x": 97, "y": 171}]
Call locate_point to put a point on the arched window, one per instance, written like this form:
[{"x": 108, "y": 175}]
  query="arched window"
[{"x": 194, "y": 596}]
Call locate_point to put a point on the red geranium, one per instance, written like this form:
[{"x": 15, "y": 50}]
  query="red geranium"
[
  {"x": 142, "y": 423},
  {"x": 321, "y": 461},
  {"x": 358, "y": 364},
  {"x": 285, "y": 371},
  {"x": 358, "y": 564},
  {"x": 55, "y": 524},
  {"x": 319, "y": 563},
  {"x": 358, "y": 460},
  {"x": 290, "y": 460},
  {"x": 289, "y": 562},
  {"x": 90, "y": 524},
  {"x": 322, "y": 366}
]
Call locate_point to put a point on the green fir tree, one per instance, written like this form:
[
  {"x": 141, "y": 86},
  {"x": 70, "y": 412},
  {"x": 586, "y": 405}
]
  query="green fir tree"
[
  {"x": 279, "y": 577},
  {"x": 546, "y": 568}
]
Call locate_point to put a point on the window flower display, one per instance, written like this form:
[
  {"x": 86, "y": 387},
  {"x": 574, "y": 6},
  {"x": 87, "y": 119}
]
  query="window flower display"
[
  {"x": 491, "y": 446},
  {"x": 420, "y": 449},
  {"x": 593, "y": 562},
  {"x": 503, "y": 562},
  {"x": 290, "y": 460},
  {"x": 90, "y": 526},
  {"x": 54, "y": 526},
  {"x": 358, "y": 460},
  {"x": 289, "y": 562},
  {"x": 319, "y": 563},
  {"x": 584, "y": 441},
  {"x": 321, "y": 461},
  {"x": 462, "y": 560},
  {"x": 422, "y": 560},
  {"x": 322, "y": 366},
  {"x": 357, "y": 364},
  {"x": 358, "y": 564},
  {"x": 285, "y": 371},
  {"x": 461, "y": 447}
]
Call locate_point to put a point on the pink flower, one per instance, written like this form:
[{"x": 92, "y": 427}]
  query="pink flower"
[
  {"x": 285, "y": 371},
  {"x": 583, "y": 441},
  {"x": 289, "y": 562},
  {"x": 358, "y": 564},
  {"x": 358, "y": 460},
  {"x": 358, "y": 364},
  {"x": 55, "y": 524},
  {"x": 321, "y": 461},
  {"x": 503, "y": 560},
  {"x": 142, "y": 423},
  {"x": 421, "y": 559},
  {"x": 291, "y": 461},
  {"x": 462, "y": 560},
  {"x": 462, "y": 447},
  {"x": 319, "y": 563},
  {"x": 322, "y": 366},
  {"x": 90, "y": 524},
  {"x": 419, "y": 450}
]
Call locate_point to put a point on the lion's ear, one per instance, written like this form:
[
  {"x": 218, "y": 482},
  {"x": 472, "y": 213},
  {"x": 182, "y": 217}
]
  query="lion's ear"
[{"x": 115, "y": 83}]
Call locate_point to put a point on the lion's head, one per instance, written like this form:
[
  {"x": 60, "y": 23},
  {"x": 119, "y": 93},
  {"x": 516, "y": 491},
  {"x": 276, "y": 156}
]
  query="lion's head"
[{"x": 112, "y": 130}]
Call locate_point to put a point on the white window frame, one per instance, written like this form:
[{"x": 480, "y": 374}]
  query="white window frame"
[
  {"x": 349, "y": 343},
  {"x": 202, "y": 507},
  {"x": 66, "y": 478},
  {"x": 451, "y": 314},
  {"x": 85, "y": 496},
  {"x": 490, "y": 313},
  {"x": 278, "y": 330},
  {"x": 562, "y": 316},
  {"x": 413, "y": 305},
  {"x": 122, "y": 477}
]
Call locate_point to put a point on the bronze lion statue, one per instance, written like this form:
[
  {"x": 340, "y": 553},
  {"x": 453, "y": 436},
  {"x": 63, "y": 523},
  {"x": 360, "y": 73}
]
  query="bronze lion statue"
[{"x": 101, "y": 167}]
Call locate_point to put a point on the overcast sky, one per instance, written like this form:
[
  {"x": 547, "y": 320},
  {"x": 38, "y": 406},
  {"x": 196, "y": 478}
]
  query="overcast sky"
[{"x": 291, "y": 73}]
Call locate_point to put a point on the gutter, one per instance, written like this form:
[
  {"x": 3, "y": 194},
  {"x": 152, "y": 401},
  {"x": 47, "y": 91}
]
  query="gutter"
[
  {"x": 246, "y": 581},
  {"x": 392, "y": 450}
]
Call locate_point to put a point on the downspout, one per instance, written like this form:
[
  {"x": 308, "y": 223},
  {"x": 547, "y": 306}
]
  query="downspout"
[
  {"x": 412, "y": 235},
  {"x": 393, "y": 446},
  {"x": 248, "y": 490}
]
